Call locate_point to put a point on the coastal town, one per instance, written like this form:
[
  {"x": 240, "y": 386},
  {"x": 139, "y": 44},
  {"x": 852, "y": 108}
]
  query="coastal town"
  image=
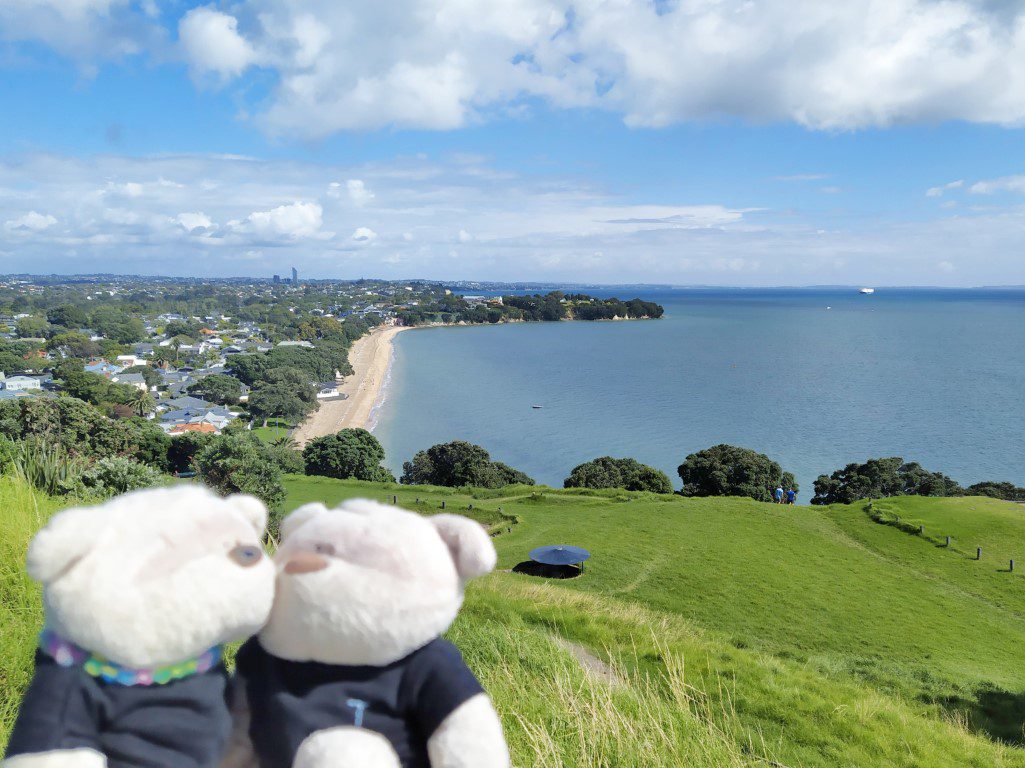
[{"x": 277, "y": 355}]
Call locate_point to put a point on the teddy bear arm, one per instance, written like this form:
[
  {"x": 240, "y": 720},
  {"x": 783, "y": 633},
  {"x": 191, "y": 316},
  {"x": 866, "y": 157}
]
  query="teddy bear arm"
[
  {"x": 470, "y": 737},
  {"x": 58, "y": 758}
]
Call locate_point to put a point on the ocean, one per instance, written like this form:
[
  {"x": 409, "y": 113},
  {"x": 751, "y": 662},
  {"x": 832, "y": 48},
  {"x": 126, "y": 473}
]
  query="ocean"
[{"x": 815, "y": 378}]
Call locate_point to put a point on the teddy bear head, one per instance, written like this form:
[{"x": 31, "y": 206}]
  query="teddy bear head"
[
  {"x": 156, "y": 576},
  {"x": 368, "y": 584}
]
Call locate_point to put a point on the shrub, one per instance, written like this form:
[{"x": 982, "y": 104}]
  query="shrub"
[
  {"x": 287, "y": 458},
  {"x": 629, "y": 474},
  {"x": 47, "y": 467},
  {"x": 879, "y": 478},
  {"x": 115, "y": 474},
  {"x": 457, "y": 464},
  {"x": 350, "y": 453},
  {"x": 727, "y": 470},
  {"x": 239, "y": 464}
]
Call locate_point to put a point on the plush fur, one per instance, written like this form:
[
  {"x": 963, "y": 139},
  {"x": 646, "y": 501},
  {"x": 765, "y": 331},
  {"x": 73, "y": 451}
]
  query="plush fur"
[
  {"x": 393, "y": 583},
  {"x": 64, "y": 758},
  {"x": 368, "y": 584},
  {"x": 149, "y": 579}
]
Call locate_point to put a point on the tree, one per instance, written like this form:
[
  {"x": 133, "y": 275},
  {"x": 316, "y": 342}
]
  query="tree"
[
  {"x": 299, "y": 384},
  {"x": 68, "y": 316},
  {"x": 607, "y": 472},
  {"x": 457, "y": 464},
  {"x": 183, "y": 449},
  {"x": 350, "y": 453},
  {"x": 276, "y": 401},
  {"x": 727, "y": 470},
  {"x": 996, "y": 490},
  {"x": 880, "y": 478},
  {"x": 142, "y": 402},
  {"x": 247, "y": 368},
  {"x": 239, "y": 464},
  {"x": 32, "y": 327},
  {"x": 73, "y": 344},
  {"x": 218, "y": 388}
]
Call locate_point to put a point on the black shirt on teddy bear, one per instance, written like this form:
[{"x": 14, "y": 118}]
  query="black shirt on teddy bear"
[
  {"x": 184, "y": 723},
  {"x": 404, "y": 701}
]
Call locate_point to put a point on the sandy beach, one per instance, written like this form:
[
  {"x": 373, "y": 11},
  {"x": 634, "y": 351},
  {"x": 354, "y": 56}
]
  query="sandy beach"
[{"x": 370, "y": 357}]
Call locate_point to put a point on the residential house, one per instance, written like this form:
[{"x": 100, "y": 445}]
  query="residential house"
[
  {"x": 186, "y": 402},
  {"x": 22, "y": 383},
  {"x": 129, "y": 361},
  {"x": 307, "y": 344},
  {"x": 131, "y": 379},
  {"x": 103, "y": 368},
  {"x": 217, "y": 415}
]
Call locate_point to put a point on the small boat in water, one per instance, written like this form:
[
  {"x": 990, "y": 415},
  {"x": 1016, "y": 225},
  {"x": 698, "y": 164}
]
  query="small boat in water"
[
  {"x": 537, "y": 407},
  {"x": 867, "y": 290}
]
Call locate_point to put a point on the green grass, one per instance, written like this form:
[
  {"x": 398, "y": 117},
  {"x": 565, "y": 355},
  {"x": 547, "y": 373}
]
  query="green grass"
[
  {"x": 737, "y": 633},
  {"x": 275, "y": 430},
  {"x": 23, "y": 512}
]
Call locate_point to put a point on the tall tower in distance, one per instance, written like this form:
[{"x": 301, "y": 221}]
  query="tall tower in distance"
[{"x": 295, "y": 276}]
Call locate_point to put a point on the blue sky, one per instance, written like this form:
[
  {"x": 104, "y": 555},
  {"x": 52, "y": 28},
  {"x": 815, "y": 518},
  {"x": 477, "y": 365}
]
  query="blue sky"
[{"x": 725, "y": 142}]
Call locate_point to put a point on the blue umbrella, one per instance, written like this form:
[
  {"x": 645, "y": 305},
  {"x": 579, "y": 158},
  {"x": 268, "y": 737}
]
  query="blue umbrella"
[{"x": 559, "y": 554}]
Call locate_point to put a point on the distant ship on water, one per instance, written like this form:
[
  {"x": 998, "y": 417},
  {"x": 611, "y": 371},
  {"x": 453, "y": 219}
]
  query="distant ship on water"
[{"x": 867, "y": 290}]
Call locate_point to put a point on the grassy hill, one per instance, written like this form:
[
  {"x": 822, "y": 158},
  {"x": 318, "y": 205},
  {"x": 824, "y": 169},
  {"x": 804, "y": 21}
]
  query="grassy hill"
[{"x": 711, "y": 632}]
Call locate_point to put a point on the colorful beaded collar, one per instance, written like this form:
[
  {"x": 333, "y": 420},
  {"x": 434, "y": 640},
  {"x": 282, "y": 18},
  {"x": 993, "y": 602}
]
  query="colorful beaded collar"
[{"x": 67, "y": 654}]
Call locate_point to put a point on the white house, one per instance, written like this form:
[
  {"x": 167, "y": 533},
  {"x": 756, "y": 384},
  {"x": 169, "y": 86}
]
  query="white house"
[
  {"x": 21, "y": 383},
  {"x": 128, "y": 361}
]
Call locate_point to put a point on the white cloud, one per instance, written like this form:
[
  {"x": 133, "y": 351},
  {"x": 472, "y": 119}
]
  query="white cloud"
[
  {"x": 464, "y": 236},
  {"x": 938, "y": 191},
  {"x": 524, "y": 227},
  {"x": 1003, "y": 184},
  {"x": 31, "y": 221},
  {"x": 193, "y": 221},
  {"x": 358, "y": 192},
  {"x": 334, "y": 189},
  {"x": 211, "y": 42},
  {"x": 298, "y": 219},
  {"x": 439, "y": 64}
]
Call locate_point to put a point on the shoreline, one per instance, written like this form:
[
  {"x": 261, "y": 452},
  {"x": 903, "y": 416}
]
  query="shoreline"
[{"x": 370, "y": 357}]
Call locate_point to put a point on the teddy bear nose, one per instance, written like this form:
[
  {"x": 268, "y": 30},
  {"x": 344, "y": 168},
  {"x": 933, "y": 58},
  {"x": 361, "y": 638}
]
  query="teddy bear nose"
[
  {"x": 305, "y": 562},
  {"x": 246, "y": 555}
]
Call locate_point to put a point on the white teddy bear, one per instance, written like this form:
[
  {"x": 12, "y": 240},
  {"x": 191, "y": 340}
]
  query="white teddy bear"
[
  {"x": 140, "y": 593},
  {"x": 350, "y": 671}
]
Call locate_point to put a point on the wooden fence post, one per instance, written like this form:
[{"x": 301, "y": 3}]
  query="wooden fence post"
[
  {"x": 394, "y": 499},
  {"x": 443, "y": 505},
  {"x": 978, "y": 553},
  {"x": 948, "y": 541},
  {"x": 1011, "y": 569}
]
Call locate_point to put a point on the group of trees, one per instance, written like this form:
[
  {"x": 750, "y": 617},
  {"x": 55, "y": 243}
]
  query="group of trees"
[
  {"x": 550, "y": 307},
  {"x": 879, "y": 478}
]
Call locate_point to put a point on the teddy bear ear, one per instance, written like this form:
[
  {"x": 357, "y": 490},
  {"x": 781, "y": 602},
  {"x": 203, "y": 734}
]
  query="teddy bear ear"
[
  {"x": 303, "y": 514},
  {"x": 252, "y": 509},
  {"x": 471, "y": 547},
  {"x": 62, "y": 542}
]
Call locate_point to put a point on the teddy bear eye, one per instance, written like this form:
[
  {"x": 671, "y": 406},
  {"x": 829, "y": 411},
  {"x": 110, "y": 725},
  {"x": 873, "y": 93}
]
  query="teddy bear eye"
[{"x": 323, "y": 548}]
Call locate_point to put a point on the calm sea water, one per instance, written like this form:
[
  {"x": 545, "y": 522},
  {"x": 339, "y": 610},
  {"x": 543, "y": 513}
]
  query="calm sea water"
[{"x": 933, "y": 376}]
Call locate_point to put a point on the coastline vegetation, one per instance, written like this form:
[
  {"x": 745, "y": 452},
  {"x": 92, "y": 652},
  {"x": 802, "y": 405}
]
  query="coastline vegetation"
[{"x": 550, "y": 307}]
